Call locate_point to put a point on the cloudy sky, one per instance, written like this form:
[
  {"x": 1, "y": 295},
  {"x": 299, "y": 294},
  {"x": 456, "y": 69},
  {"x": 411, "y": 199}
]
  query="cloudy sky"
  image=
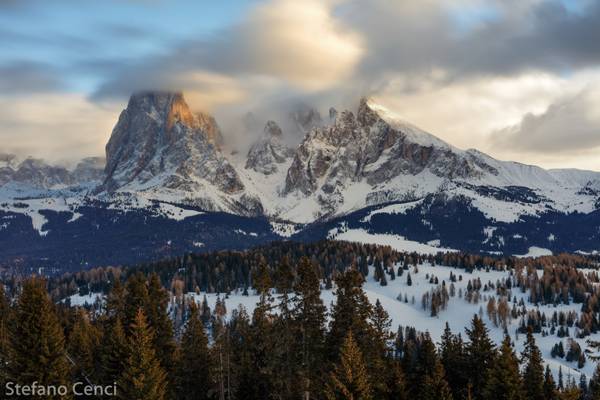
[{"x": 519, "y": 79}]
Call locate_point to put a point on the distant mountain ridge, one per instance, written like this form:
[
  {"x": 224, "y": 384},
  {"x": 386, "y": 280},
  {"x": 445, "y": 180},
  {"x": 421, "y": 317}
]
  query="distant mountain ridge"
[{"x": 165, "y": 161}]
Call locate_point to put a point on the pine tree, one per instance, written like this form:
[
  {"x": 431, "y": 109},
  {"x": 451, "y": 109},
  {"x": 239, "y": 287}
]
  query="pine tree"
[
  {"x": 82, "y": 347},
  {"x": 261, "y": 338},
  {"x": 429, "y": 381},
  {"x": 284, "y": 332},
  {"x": 351, "y": 312},
  {"x": 114, "y": 351},
  {"x": 454, "y": 360},
  {"x": 136, "y": 298},
  {"x": 309, "y": 316},
  {"x": 158, "y": 319},
  {"x": 435, "y": 386},
  {"x": 193, "y": 377},
  {"x": 379, "y": 362},
  {"x": 143, "y": 378},
  {"x": 4, "y": 336},
  {"x": 550, "y": 392},
  {"x": 594, "y": 386},
  {"x": 115, "y": 301},
  {"x": 480, "y": 356},
  {"x": 37, "y": 343},
  {"x": 533, "y": 374},
  {"x": 505, "y": 382},
  {"x": 349, "y": 379}
]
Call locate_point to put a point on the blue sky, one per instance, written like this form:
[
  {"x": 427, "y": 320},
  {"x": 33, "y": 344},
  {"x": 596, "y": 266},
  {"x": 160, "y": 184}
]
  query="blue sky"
[
  {"x": 78, "y": 37},
  {"x": 497, "y": 75}
]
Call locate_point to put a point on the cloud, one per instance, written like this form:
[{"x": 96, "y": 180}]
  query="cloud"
[
  {"x": 469, "y": 38},
  {"x": 571, "y": 125},
  {"x": 299, "y": 44},
  {"x": 28, "y": 77},
  {"x": 55, "y": 126}
]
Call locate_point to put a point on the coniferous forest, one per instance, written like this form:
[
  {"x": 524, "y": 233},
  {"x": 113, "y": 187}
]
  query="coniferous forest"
[{"x": 290, "y": 347}]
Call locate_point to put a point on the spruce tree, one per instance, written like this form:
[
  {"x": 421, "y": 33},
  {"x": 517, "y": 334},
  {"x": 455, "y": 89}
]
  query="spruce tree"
[
  {"x": 349, "y": 379},
  {"x": 351, "y": 312},
  {"x": 454, "y": 360},
  {"x": 550, "y": 392},
  {"x": 82, "y": 347},
  {"x": 115, "y": 301},
  {"x": 379, "y": 363},
  {"x": 114, "y": 351},
  {"x": 193, "y": 377},
  {"x": 136, "y": 298},
  {"x": 261, "y": 336},
  {"x": 158, "y": 319},
  {"x": 4, "y": 337},
  {"x": 594, "y": 386},
  {"x": 429, "y": 381},
  {"x": 37, "y": 343},
  {"x": 435, "y": 386},
  {"x": 481, "y": 355},
  {"x": 533, "y": 373},
  {"x": 504, "y": 382},
  {"x": 143, "y": 378},
  {"x": 284, "y": 333},
  {"x": 309, "y": 316}
]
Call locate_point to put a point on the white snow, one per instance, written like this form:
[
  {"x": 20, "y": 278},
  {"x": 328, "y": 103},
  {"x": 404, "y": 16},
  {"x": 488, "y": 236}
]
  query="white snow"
[
  {"x": 458, "y": 314},
  {"x": 395, "y": 241},
  {"x": 535, "y": 251}
]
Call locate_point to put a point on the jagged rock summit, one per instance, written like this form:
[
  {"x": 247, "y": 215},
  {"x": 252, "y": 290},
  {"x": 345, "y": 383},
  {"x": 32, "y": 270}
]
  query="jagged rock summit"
[
  {"x": 159, "y": 142},
  {"x": 266, "y": 155}
]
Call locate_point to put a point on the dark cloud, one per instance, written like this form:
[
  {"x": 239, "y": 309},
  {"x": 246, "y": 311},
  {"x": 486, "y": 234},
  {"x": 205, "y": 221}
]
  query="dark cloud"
[
  {"x": 415, "y": 39},
  {"x": 570, "y": 125}
]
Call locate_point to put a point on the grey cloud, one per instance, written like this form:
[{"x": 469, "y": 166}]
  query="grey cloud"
[
  {"x": 570, "y": 125},
  {"x": 414, "y": 40},
  {"x": 28, "y": 77},
  {"x": 409, "y": 38}
]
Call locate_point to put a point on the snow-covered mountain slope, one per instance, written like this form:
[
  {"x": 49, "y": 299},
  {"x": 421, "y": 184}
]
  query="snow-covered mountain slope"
[
  {"x": 39, "y": 174},
  {"x": 365, "y": 170}
]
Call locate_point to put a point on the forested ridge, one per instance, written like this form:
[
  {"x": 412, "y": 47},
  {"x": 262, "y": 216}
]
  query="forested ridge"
[
  {"x": 289, "y": 348},
  {"x": 224, "y": 271},
  {"x": 157, "y": 343}
]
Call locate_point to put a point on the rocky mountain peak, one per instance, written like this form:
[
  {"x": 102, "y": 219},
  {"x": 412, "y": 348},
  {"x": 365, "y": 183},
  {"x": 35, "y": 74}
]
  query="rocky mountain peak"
[
  {"x": 158, "y": 141},
  {"x": 305, "y": 118},
  {"x": 366, "y": 116},
  {"x": 269, "y": 151},
  {"x": 273, "y": 130}
]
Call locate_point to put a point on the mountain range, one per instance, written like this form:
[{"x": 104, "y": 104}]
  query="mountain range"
[{"x": 171, "y": 184}]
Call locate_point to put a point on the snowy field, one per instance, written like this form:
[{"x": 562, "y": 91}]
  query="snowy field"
[{"x": 458, "y": 314}]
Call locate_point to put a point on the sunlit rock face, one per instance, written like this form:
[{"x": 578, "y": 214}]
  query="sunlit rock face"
[{"x": 159, "y": 141}]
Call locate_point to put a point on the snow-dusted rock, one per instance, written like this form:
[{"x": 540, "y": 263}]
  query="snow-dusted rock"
[{"x": 269, "y": 151}]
